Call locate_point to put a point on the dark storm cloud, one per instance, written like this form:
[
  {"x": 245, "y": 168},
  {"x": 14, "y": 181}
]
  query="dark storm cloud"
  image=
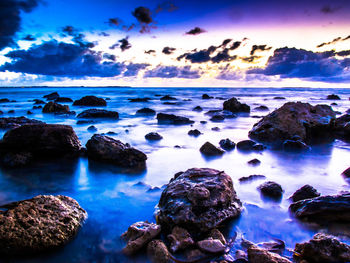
[
  {"x": 201, "y": 56},
  {"x": 124, "y": 44},
  {"x": 300, "y": 63},
  {"x": 223, "y": 56},
  {"x": 196, "y": 31},
  {"x": 334, "y": 41},
  {"x": 172, "y": 72},
  {"x": 61, "y": 59},
  {"x": 168, "y": 50},
  {"x": 151, "y": 51},
  {"x": 10, "y": 19},
  {"x": 29, "y": 38},
  {"x": 259, "y": 48},
  {"x": 235, "y": 45},
  {"x": 143, "y": 15}
]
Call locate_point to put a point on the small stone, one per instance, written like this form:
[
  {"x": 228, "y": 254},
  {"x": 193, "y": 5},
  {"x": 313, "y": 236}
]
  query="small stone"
[
  {"x": 206, "y": 97},
  {"x": 227, "y": 144},
  {"x": 216, "y": 234},
  {"x": 146, "y": 111},
  {"x": 333, "y": 97},
  {"x": 251, "y": 178},
  {"x": 194, "y": 133},
  {"x": 92, "y": 128},
  {"x": 168, "y": 97}
]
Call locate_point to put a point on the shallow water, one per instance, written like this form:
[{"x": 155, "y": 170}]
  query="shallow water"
[{"x": 110, "y": 195}]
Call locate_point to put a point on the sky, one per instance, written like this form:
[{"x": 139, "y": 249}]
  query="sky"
[{"x": 222, "y": 43}]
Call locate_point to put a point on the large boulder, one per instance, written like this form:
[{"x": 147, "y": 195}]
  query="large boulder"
[
  {"x": 295, "y": 119},
  {"x": 90, "y": 101},
  {"x": 53, "y": 107},
  {"x": 14, "y": 122},
  {"x": 38, "y": 224},
  {"x": 198, "y": 199},
  {"x": 164, "y": 118},
  {"x": 234, "y": 105},
  {"x": 96, "y": 113},
  {"x": 323, "y": 248},
  {"x": 107, "y": 149}
]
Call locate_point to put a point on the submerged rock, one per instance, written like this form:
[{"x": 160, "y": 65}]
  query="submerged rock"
[
  {"x": 52, "y": 107},
  {"x": 305, "y": 192},
  {"x": 139, "y": 235},
  {"x": 5, "y": 100},
  {"x": 39, "y": 224},
  {"x": 158, "y": 252},
  {"x": 179, "y": 239},
  {"x": 260, "y": 255},
  {"x": 146, "y": 111},
  {"x": 254, "y": 162},
  {"x": 227, "y": 144},
  {"x": 52, "y": 96},
  {"x": 164, "y": 118},
  {"x": 37, "y": 101},
  {"x": 107, "y": 149},
  {"x": 90, "y": 101},
  {"x": 271, "y": 189},
  {"x": 92, "y": 128},
  {"x": 14, "y": 122},
  {"x": 17, "y": 159},
  {"x": 198, "y": 199},
  {"x": 209, "y": 149},
  {"x": 234, "y": 105},
  {"x": 323, "y": 248},
  {"x": 153, "y": 136},
  {"x": 97, "y": 113},
  {"x": 294, "y": 118},
  {"x": 333, "y": 97}
]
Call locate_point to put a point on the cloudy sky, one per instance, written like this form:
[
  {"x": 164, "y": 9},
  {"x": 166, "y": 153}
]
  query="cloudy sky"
[{"x": 270, "y": 43}]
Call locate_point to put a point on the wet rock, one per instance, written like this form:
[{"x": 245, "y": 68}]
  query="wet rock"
[
  {"x": 279, "y": 98},
  {"x": 180, "y": 239},
  {"x": 323, "y": 209},
  {"x": 260, "y": 255},
  {"x": 261, "y": 108},
  {"x": 211, "y": 246},
  {"x": 107, "y": 149},
  {"x": 216, "y": 234},
  {"x": 305, "y": 192},
  {"x": 168, "y": 97},
  {"x": 13, "y": 122},
  {"x": 249, "y": 145},
  {"x": 206, "y": 97},
  {"x": 158, "y": 252},
  {"x": 198, "y": 199},
  {"x": 197, "y": 108},
  {"x": 203, "y": 122},
  {"x": 38, "y": 224},
  {"x": 146, "y": 111},
  {"x": 18, "y": 159},
  {"x": 227, "y": 144},
  {"x": 140, "y": 100},
  {"x": 346, "y": 173},
  {"x": 342, "y": 127},
  {"x": 271, "y": 189},
  {"x": 295, "y": 146},
  {"x": 241, "y": 255},
  {"x": 52, "y": 107},
  {"x": 333, "y": 97},
  {"x": 96, "y": 113},
  {"x": 36, "y": 102},
  {"x": 52, "y": 96},
  {"x": 90, "y": 101},
  {"x": 323, "y": 248},
  {"x": 254, "y": 162},
  {"x": 139, "y": 235},
  {"x": 251, "y": 178},
  {"x": 92, "y": 128},
  {"x": 63, "y": 99},
  {"x": 194, "y": 133},
  {"x": 164, "y": 118},
  {"x": 153, "y": 136},
  {"x": 209, "y": 149},
  {"x": 4, "y": 100},
  {"x": 234, "y": 105},
  {"x": 294, "y": 118}
]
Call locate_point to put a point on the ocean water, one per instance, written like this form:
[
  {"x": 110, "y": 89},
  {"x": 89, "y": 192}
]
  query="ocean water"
[{"x": 114, "y": 199}]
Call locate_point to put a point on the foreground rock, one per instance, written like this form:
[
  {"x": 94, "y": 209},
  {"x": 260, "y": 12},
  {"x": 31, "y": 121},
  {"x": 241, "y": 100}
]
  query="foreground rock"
[
  {"x": 323, "y": 248},
  {"x": 52, "y": 107},
  {"x": 323, "y": 209},
  {"x": 96, "y": 113},
  {"x": 164, "y": 118},
  {"x": 209, "y": 149},
  {"x": 234, "y": 105},
  {"x": 305, "y": 192},
  {"x": 107, "y": 149},
  {"x": 158, "y": 252},
  {"x": 198, "y": 199},
  {"x": 295, "y": 118},
  {"x": 260, "y": 255},
  {"x": 39, "y": 224},
  {"x": 90, "y": 101},
  {"x": 271, "y": 189},
  {"x": 139, "y": 235},
  {"x": 179, "y": 239},
  {"x": 14, "y": 122}
]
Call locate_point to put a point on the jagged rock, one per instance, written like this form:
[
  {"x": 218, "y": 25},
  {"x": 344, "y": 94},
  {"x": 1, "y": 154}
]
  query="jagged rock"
[
  {"x": 168, "y": 97},
  {"x": 305, "y": 192},
  {"x": 323, "y": 248},
  {"x": 52, "y": 96},
  {"x": 234, "y": 105},
  {"x": 227, "y": 144},
  {"x": 198, "y": 199},
  {"x": 158, "y": 252},
  {"x": 153, "y": 136},
  {"x": 271, "y": 189},
  {"x": 52, "y": 107},
  {"x": 197, "y": 108},
  {"x": 164, "y": 118},
  {"x": 180, "y": 239},
  {"x": 90, "y": 101},
  {"x": 38, "y": 224},
  {"x": 194, "y": 133},
  {"x": 97, "y": 113},
  {"x": 260, "y": 255},
  {"x": 294, "y": 118},
  {"x": 209, "y": 149},
  {"x": 333, "y": 97},
  {"x": 211, "y": 246},
  {"x": 139, "y": 235},
  {"x": 63, "y": 99},
  {"x": 14, "y": 122},
  {"x": 251, "y": 178},
  {"x": 146, "y": 111},
  {"x": 107, "y": 149}
]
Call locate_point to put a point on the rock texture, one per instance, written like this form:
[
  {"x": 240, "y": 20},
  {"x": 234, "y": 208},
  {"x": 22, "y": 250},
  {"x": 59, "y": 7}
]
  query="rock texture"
[
  {"x": 271, "y": 189},
  {"x": 200, "y": 198},
  {"x": 14, "y": 122},
  {"x": 96, "y": 113},
  {"x": 260, "y": 255},
  {"x": 234, "y": 105},
  {"x": 38, "y": 224},
  {"x": 342, "y": 127},
  {"x": 211, "y": 246},
  {"x": 158, "y": 252},
  {"x": 227, "y": 144},
  {"x": 209, "y": 149},
  {"x": 90, "y": 101},
  {"x": 179, "y": 239},
  {"x": 53, "y": 107},
  {"x": 305, "y": 192}
]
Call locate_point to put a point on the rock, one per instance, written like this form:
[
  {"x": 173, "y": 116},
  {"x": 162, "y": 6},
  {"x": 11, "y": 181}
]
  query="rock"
[
  {"x": 82, "y": 122},
  {"x": 11, "y": 111},
  {"x": 164, "y": 118},
  {"x": 38, "y": 224},
  {"x": 323, "y": 248},
  {"x": 14, "y": 122},
  {"x": 260, "y": 255},
  {"x": 203, "y": 122},
  {"x": 216, "y": 234},
  {"x": 52, "y": 107},
  {"x": 139, "y": 235},
  {"x": 271, "y": 189},
  {"x": 342, "y": 127},
  {"x": 334, "y": 104},
  {"x": 211, "y": 246},
  {"x": 36, "y": 102},
  {"x": 140, "y": 100},
  {"x": 90, "y": 101},
  {"x": 37, "y": 107},
  {"x": 333, "y": 97},
  {"x": 346, "y": 173},
  {"x": 168, "y": 97},
  {"x": 254, "y": 162},
  {"x": 217, "y": 118},
  {"x": 206, "y": 97},
  {"x": 169, "y": 103},
  {"x": 97, "y": 113},
  {"x": 215, "y": 129},
  {"x": 153, "y": 136},
  {"x": 209, "y": 149},
  {"x": 227, "y": 144},
  {"x": 107, "y": 149},
  {"x": 261, "y": 108},
  {"x": 305, "y": 192},
  {"x": 194, "y": 133},
  {"x": 146, "y": 111},
  {"x": 279, "y": 98},
  {"x": 51, "y": 96},
  {"x": 29, "y": 112},
  {"x": 197, "y": 108},
  {"x": 323, "y": 209},
  {"x": 294, "y": 118},
  {"x": 295, "y": 146},
  {"x": 18, "y": 159},
  {"x": 180, "y": 239},
  {"x": 41, "y": 140},
  {"x": 251, "y": 178},
  {"x": 246, "y": 145},
  {"x": 195, "y": 255},
  {"x": 220, "y": 115},
  {"x": 4, "y": 100},
  {"x": 234, "y": 105},
  {"x": 198, "y": 199},
  {"x": 92, "y": 128},
  {"x": 63, "y": 99},
  {"x": 158, "y": 252},
  {"x": 241, "y": 255}
]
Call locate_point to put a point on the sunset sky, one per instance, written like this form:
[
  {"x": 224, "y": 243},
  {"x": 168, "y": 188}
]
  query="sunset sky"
[{"x": 175, "y": 43}]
